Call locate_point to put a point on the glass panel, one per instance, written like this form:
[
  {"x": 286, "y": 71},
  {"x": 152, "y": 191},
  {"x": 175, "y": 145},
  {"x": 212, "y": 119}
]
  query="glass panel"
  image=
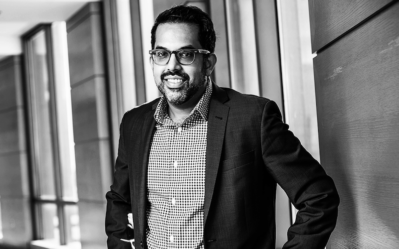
[
  {"x": 42, "y": 118},
  {"x": 297, "y": 72},
  {"x": 242, "y": 46},
  {"x": 72, "y": 223},
  {"x": 297, "y": 68},
  {"x": 50, "y": 221}
]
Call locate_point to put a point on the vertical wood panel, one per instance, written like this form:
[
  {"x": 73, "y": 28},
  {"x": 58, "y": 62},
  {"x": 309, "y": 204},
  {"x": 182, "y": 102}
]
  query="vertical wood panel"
[
  {"x": 14, "y": 178},
  {"x": 331, "y": 19},
  {"x": 17, "y": 228},
  {"x": 12, "y": 133},
  {"x": 10, "y": 78},
  {"x": 86, "y": 60},
  {"x": 91, "y": 118},
  {"x": 357, "y": 102},
  {"x": 89, "y": 108},
  {"x": 93, "y": 181},
  {"x": 14, "y": 181}
]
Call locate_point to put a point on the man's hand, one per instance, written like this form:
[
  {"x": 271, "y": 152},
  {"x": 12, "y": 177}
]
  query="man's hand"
[
  {"x": 130, "y": 219},
  {"x": 130, "y": 224}
]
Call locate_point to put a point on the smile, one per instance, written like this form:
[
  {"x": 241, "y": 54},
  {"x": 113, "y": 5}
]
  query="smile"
[{"x": 174, "y": 83}]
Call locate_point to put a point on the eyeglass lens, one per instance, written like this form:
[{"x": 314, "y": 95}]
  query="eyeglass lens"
[{"x": 184, "y": 57}]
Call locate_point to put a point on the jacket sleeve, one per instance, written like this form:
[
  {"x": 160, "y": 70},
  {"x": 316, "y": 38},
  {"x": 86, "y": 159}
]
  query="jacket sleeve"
[
  {"x": 307, "y": 185},
  {"x": 118, "y": 202}
]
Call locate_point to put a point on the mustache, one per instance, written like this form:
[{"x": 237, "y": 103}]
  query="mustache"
[{"x": 175, "y": 73}]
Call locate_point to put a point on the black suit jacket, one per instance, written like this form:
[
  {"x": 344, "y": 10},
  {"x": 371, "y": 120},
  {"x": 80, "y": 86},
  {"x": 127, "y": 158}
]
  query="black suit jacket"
[{"x": 249, "y": 150}]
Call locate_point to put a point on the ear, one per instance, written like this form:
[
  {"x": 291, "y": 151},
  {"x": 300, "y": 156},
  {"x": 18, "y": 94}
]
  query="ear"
[{"x": 210, "y": 63}]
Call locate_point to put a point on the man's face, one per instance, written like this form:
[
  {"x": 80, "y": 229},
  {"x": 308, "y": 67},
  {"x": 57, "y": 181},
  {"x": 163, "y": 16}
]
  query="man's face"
[{"x": 179, "y": 83}]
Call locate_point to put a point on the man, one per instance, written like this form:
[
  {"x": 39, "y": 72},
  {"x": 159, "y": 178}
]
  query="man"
[{"x": 198, "y": 167}]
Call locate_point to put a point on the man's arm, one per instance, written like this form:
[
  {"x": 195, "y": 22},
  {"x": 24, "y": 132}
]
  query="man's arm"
[
  {"x": 307, "y": 185},
  {"x": 118, "y": 202}
]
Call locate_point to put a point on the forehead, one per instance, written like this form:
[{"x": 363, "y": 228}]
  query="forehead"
[{"x": 177, "y": 35}]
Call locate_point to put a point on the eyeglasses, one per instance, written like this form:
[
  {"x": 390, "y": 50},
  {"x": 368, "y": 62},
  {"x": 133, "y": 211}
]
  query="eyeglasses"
[{"x": 161, "y": 57}]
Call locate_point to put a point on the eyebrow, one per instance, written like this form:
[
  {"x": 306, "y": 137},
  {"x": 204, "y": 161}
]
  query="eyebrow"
[{"x": 185, "y": 47}]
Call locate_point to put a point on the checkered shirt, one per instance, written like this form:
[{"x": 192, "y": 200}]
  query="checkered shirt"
[{"x": 176, "y": 178}]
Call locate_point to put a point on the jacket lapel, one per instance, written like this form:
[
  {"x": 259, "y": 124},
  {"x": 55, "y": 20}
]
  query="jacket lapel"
[
  {"x": 217, "y": 119},
  {"x": 141, "y": 176}
]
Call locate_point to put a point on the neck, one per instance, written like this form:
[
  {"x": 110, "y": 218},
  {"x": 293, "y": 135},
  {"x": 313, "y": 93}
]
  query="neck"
[{"x": 178, "y": 113}]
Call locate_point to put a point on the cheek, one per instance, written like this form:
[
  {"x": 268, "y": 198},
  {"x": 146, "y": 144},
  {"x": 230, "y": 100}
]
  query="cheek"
[
  {"x": 157, "y": 73},
  {"x": 195, "y": 72}
]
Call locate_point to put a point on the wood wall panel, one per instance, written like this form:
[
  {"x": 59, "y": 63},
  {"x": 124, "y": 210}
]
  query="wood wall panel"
[
  {"x": 10, "y": 74},
  {"x": 331, "y": 19},
  {"x": 14, "y": 171},
  {"x": 16, "y": 221},
  {"x": 12, "y": 129},
  {"x": 14, "y": 179},
  {"x": 11, "y": 138},
  {"x": 86, "y": 60},
  {"x": 91, "y": 120},
  {"x": 358, "y": 113},
  {"x": 93, "y": 168},
  {"x": 92, "y": 228},
  {"x": 89, "y": 108}
]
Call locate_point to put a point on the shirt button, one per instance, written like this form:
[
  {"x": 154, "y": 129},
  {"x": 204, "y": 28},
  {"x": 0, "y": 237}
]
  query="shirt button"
[
  {"x": 179, "y": 129},
  {"x": 172, "y": 238},
  {"x": 173, "y": 201},
  {"x": 175, "y": 164}
]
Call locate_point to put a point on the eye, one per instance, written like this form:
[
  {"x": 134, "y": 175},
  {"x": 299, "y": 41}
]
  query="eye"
[
  {"x": 161, "y": 53},
  {"x": 186, "y": 54}
]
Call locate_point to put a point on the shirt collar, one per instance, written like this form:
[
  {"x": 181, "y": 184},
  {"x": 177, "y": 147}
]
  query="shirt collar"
[{"x": 161, "y": 115}]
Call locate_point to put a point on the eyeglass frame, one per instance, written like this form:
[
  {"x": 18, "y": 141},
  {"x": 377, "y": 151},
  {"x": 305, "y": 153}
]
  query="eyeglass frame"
[{"x": 196, "y": 51}]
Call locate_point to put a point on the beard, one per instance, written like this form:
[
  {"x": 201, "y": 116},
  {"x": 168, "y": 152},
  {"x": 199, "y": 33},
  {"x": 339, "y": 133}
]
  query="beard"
[{"x": 180, "y": 95}]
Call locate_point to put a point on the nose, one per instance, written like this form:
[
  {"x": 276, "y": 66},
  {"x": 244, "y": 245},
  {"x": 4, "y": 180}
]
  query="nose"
[{"x": 173, "y": 64}]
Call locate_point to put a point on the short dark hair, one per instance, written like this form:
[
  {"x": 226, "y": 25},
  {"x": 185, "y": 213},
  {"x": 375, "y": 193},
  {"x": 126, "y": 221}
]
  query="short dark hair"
[{"x": 191, "y": 15}]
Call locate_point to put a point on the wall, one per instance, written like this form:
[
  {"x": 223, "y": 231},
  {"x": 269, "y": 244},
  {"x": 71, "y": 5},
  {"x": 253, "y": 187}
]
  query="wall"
[
  {"x": 14, "y": 180},
  {"x": 90, "y": 121},
  {"x": 356, "y": 77}
]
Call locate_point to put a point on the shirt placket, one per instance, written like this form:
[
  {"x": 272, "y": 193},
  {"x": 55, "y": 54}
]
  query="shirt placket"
[{"x": 177, "y": 159}]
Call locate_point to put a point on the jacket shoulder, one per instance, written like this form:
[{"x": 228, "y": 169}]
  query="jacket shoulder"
[
  {"x": 139, "y": 111},
  {"x": 246, "y": 102}
]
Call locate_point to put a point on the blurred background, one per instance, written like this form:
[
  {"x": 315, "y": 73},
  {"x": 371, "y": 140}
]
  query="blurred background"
[{"x": 69, "y": 69}]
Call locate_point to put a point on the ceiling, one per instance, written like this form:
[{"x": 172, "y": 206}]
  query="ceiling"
[{"x": 19, "y": 16}]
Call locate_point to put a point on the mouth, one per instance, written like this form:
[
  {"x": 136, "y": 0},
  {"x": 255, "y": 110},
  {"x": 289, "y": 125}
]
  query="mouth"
[{"x": 174, "y": 82}]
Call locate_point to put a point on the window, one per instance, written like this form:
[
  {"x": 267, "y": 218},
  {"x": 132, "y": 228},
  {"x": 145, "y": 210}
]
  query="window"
[
  {"x": 297, "y": 73},
  {"x": 53, "y": 175},
  {"x": 242, "y": 46}
]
